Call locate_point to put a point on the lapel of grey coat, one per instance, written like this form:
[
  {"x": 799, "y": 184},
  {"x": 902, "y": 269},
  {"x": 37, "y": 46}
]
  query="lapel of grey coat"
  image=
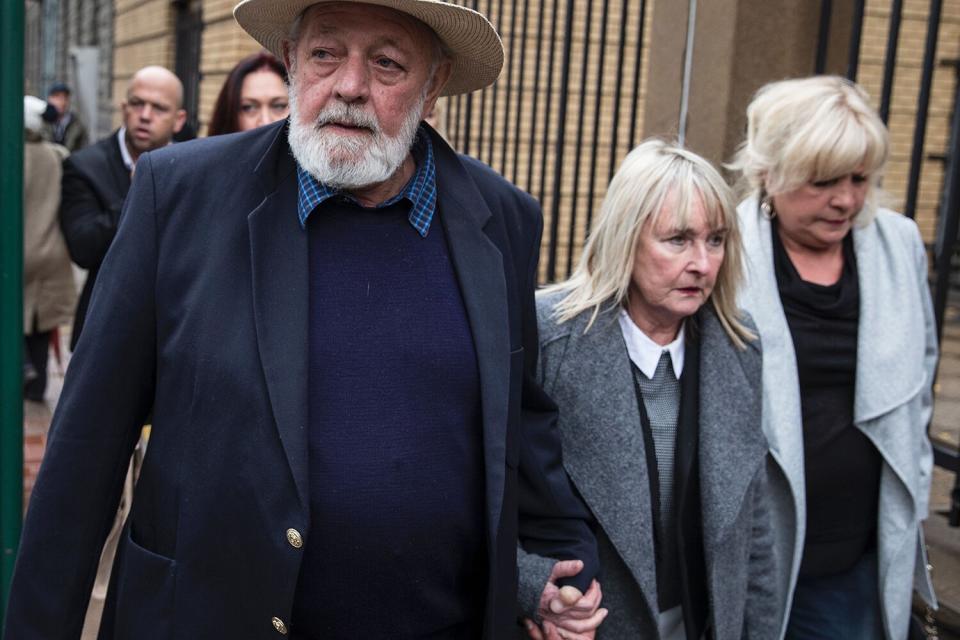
[
  {"x": 732, "y": 446},
  {"x": 891, "y": 322},
  {"x": 602, "y": 443},
  {"x": 891, "y": 338},
  {"x": 478, "y": 264},
  {"x": 278, "y": 256},
  {"x": 761, "y": 298}
]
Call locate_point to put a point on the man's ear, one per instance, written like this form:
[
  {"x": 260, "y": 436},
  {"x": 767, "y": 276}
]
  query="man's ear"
[
  {"x": 437, "y": 83},
  {"x": 181, "y": 120}
]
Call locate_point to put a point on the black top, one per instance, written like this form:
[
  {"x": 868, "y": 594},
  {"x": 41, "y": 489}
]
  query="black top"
[
  {"x": 397, "y": 546},
  {"x": 841, "y": 465}
]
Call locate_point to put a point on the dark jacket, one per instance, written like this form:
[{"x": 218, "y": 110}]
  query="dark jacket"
[
  {"x": 200, "y": 313},
  {"x": 95, "y": 182}
]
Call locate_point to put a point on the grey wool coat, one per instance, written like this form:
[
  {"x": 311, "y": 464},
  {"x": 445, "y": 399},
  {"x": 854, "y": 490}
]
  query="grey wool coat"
[
  {"x": 590, "y": 378},
  {"x": 896, "y": 362}
]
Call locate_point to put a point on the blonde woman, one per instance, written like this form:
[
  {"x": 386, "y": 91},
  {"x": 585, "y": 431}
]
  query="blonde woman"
[
  {"x": 838, "y": 289},
  {"x": 657, "y": 378}
]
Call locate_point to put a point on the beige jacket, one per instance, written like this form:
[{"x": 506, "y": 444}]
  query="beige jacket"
[{"x": 49, "y": 291}]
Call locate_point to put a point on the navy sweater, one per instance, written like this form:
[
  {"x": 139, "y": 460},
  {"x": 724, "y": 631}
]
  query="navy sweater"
[{"x": 396, "y": 545}]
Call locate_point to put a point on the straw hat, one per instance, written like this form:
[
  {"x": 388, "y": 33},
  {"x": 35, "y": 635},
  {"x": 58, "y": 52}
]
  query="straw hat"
[{"x": 476, "y": 49}]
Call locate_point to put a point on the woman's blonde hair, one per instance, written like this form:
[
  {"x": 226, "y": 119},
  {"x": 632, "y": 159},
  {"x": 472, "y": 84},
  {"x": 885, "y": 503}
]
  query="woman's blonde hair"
[
  {"x": 653, "y": 175},
  {"x": 812, "y": 129}
]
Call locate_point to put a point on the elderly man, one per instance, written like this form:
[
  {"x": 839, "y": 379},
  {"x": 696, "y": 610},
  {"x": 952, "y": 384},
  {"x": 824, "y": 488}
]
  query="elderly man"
[
  {"x": 333, "y": 325},
  {"x": 96, "y": 179}
]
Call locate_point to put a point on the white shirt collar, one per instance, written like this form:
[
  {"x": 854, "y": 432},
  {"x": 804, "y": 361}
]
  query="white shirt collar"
[
  {"x": 124, "y": 152},
  {"x": 645, "y": 353}
]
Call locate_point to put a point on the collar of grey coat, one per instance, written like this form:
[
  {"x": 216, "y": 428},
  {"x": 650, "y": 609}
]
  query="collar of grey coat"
[
  {"x": 891, "y": 315},
  {"x": 603, "y": 449},
  {"x": 280, "y": 292}
]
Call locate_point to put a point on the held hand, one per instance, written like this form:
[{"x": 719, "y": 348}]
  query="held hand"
[{"x": 567, "y": 614}]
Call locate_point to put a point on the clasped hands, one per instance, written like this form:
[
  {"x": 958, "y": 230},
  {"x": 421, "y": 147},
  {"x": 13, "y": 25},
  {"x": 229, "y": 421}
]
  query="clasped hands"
[{"x": 566, "y": 613}]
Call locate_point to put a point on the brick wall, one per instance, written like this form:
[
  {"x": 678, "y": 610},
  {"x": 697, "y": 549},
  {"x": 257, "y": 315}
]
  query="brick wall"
[
  {"x": 144, "y": 36},
  {"x": 224, "y": 44},
  {"x": 906, "y": 89}
]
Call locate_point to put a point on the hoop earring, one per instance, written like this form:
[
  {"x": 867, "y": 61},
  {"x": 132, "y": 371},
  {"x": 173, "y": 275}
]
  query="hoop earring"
[{"x": 766, "y": 208}]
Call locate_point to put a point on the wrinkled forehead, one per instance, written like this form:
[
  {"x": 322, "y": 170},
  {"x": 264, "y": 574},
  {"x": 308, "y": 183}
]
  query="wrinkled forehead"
[
  {"x": 157, "y": 91},
  {"x": 367, "y": 21}
]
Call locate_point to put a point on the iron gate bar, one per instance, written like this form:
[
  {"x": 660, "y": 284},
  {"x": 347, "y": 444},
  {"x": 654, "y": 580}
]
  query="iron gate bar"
[
  {"x": 467, "y": 123},
  {"x": 923, "y": 107},
  {"x": 853, "y": 54},
  {"x": 949, "y": 214},
  {"x": 483, "y": 93},
  {"x": 495, "y": 90},
  {"x": 584, "y": 60},
  {"x": 635, "y": 103},
  {"x": 561, "y": 140},
  {"x": 826, "y": 9},
  {"x": 596, "y": 118},
  {"x": 506, "y": 107},
  {"x": 516, "y": 122},
  {"x": 617, "y": 94},
  {"x": 547, "y": 111},
  {"x": 468, "y": 117},
  {"x": 890, "y": 60},
  {"x": 536, "y": 96}
]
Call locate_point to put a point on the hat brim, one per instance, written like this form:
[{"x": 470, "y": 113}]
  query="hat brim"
[{"x": 475, "y": 48}]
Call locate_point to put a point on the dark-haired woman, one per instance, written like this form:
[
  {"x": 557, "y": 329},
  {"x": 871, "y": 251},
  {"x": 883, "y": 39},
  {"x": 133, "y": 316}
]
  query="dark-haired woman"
[{"x": 254, "y": 94}]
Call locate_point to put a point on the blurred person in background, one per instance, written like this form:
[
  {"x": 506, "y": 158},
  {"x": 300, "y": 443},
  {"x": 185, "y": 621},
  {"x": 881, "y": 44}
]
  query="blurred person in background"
[
  {"x": 96, "y": 179},
  {"x": 254, "y": 94},
  {"x": 67, "y": 128},
  {"x": 838, "y": 289},
  {"x": 49, "y": 293}
]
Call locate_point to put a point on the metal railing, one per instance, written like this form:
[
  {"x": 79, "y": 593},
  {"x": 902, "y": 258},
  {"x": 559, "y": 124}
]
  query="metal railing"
[{"x": 559, "y": 129}]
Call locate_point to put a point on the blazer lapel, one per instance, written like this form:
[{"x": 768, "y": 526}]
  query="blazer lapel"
[
  {"x": 603, "y": 444},
  {"x": 278, "y": 254},
  {"x": 479, "y": 269}
]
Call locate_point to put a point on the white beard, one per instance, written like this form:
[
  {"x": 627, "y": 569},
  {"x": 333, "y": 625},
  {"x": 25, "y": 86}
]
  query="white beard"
[{"x": 353, "y": 161}]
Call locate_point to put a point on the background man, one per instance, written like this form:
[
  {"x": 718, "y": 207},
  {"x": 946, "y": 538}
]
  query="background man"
[
  {"x": 333, "y": 325},
  {"x": 68, "y": 128},
  {"x": 96, "y": 179}
]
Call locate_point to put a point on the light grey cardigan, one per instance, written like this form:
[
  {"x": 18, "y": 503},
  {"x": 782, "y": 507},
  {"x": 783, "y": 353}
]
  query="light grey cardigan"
[{"x": 896, "y": 362}]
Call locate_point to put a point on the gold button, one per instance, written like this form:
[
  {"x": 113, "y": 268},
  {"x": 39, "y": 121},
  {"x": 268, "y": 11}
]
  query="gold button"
[
  {"x": 279, "y": 626},
  {"x": 294, "y": 538}
]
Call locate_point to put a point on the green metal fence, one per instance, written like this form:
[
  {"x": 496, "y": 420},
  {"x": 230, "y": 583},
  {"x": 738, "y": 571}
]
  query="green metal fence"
[{"x": 11, "y": 287}]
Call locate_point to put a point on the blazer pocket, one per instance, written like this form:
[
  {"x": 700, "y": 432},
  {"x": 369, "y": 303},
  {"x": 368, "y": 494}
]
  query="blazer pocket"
[
  {"x": 514, "y": 410},
  {"x": 145, "y": 589}
]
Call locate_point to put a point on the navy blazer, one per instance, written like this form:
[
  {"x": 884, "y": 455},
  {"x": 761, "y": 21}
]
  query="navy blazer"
[{"x": 200, "y": 315}]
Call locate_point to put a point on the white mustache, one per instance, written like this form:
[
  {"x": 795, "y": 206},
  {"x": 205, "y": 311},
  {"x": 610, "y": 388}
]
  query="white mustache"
[{"x": 339, "y": 113}]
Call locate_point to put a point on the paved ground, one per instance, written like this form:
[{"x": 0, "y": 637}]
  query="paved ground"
[{"x": 943, "y": 541}]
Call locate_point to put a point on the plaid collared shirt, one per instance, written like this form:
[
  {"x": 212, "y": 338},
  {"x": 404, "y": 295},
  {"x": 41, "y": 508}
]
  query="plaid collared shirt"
[{"x": 421, "y": 190}]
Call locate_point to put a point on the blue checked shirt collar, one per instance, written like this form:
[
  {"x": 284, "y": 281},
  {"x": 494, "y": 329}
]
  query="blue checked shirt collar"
[{"x": 421, "y": 190}]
